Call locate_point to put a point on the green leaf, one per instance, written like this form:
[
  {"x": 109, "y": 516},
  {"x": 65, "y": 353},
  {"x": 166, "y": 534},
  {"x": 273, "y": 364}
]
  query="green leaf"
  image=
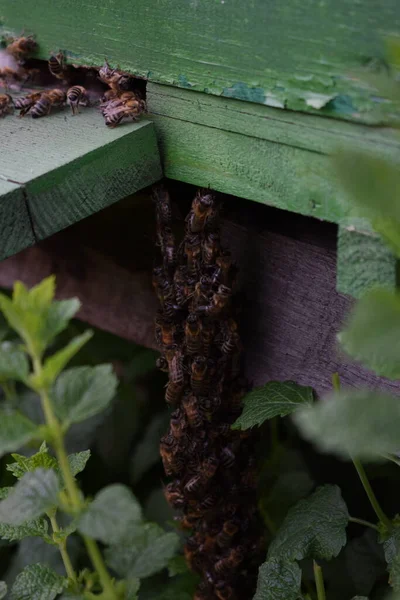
[
  {"x": 313, "y": 528},
  {"x": 132, "y": 588},
  {"x": 289, "y": 488},
  {"x": 278, "y": 580},
  {"x": 391, "y": 548},
  {"x": 16, "y": 430},
  {"x": 112, "y": 511},
  {"x": 77, "y": 461},
  {"x": 13, "y": 362},
  {"x": 272, "y": 400},
  {"x": 32, "y": 528},
  {"x": 33, "y": 495},
  {"x": 372, "y": 333},
  {"x": 24, "y": 464},
  {"x": 38, "y": 297},
  {"x": 362, "y": 424},
  {"x": 364, "y": 561},
  {"x": 56, "y": 363},
  {"x": 81, "y": 392},
  {"x": 144, "y": 551},
  {"x": 177, "y": 565},
  {"x": 37, "y": 582},
  {"x": 3, "y": 589}
]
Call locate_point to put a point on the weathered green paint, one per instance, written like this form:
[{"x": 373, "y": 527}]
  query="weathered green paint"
[
  {"x": 70, "y": 167},
  {"x": 16, "y": 230},
  {"x": 363, "y": 259},
  {"x": 303, "y": 54},
  {"x": 256, "y": 152}
]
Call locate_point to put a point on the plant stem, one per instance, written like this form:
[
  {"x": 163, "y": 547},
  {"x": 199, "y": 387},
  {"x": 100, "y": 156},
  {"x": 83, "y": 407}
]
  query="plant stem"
[
  {"x": 319, "y": 581},
  {"x": 62, "y": 546},
  {"x": 371, "y": 496},
  {"x": 70, "y": 483},
  {"x": 9, "y": 391},
  {"x": 363, "y": 522}
]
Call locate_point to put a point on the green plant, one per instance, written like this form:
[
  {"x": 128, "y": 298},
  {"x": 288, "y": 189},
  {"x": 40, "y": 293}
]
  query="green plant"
[{"x": 46, "y": 500}]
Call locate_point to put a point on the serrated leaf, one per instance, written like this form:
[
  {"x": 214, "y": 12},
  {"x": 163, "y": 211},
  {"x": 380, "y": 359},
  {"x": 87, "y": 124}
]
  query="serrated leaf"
[
  {"x": 38, "y": 297},
  {"x": 77, "y": 461},
  {"x": 132, "y": 588},
  {"x": 363, "y": 424},
  {"x": 112, "y": 511},
  {"x": 82, "y": 392},
  {"x": 313, "y": 528},
  {"x": 278, "y": 580},
  {"x": 372, "y": 333},
  {"x": 391, "y": 548},
  {"x": 3, "y": 589},
  {"x": 272, "y": 400},
  {"x": 25, "y": 464},
  {"x": 143, "y": 552},
  {"x": 56, "y": 363},
  {"x": 32, "y": 528},
  {"x": 13, "y": 362},
  {"x": 37, "y": 582},
  {"x": 16, "y": 430},
  {"x": 32, "y": 496}
]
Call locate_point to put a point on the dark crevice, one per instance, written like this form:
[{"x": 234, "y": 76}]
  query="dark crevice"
[{"x": 28, "y": 210}]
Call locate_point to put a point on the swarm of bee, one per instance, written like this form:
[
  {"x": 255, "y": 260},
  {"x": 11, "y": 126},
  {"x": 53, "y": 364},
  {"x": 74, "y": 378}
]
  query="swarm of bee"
[
  {"x": 119, "y": 101},
  {"x": 212, "y": 467}
]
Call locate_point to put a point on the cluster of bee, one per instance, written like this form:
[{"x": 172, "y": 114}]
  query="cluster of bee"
[
  {"x": 118, "y": 102},
  {"x": 212, "y": 467}
]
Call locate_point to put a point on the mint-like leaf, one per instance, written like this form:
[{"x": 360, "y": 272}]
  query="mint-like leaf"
[
  {"x": 16, "y": 430},
  {"x": 37, "y": 582},
  {"x": 81, "y": 392},
  {"x": 360, "y": 423},
  {"x": 32, "y": 528},
  {"x": 13, "y": 362},
  {"x": 278, "y": 580},
  {"x": 313, "y": 528},
  {"x": 77, "y": 461},
  {"x": 25, "y": 464},
  {"x": 132, "y": 588},
  {"x": 110, "y": 514},
  {"x": 272, "y": 400},
  {"x": 372, "y": 334},
  {"x": 32, "y": 496}
]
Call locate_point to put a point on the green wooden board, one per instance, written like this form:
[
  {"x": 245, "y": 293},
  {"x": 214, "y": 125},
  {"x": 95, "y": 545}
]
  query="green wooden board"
[
  {"x": 256, "y": 152},
  {"x": 16, "y": 229},
  {"x": 71, "y": 167},
  {"x": 304, "y": 55}
]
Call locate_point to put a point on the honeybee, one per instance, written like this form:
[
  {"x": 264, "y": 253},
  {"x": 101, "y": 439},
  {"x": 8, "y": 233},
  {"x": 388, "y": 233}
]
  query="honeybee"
[
  {"x": 163, "y": 205},
  {"x": 10, "y": 76},
  {"x": 229, "y": 529},
  {"x": 175, "y": 364},
  {"x": 132, "y": 109},
  {"x": 47, "y": 100},
  {"x": 178, "y": 424},
  {"x": 191, "y": 409},
  {"x": 209, "y": 467},
  {"x": 193, "y": 485},
  {"x": 6, "y": 105},
  {"x": 58, "y": 67},
  {"x": 209, "y": 404},
  {"x": 173, "y": 495},
  {"x": 210, "y": 248},
  {"x": 173, "y": 393},
  {"x": 202, "y": 291},
  {"x": 193, "y": 253},
  {"x": 201, "y": 208},
  {"x": 218, "y": 303},
  {"x": 231, "y": 339},
  {"x": 114, "y": 78},
  {"x": 77, "y": 95},
  {"x": 223, "y": 269},
  {"x": 229, "y": 562},
  {"x": 193, "y": 338},
  {"x": 227, "y": 458},
  {"x": 25, "y": 103},
  {"x": 173, "y": 462},
  {"x": 224, "y": 591},
  {"x": 199, "y": 380},
  {"x": 162, "y": 364},
  {"x": 207, "y": 336},
  {"x": 168, "y": 248},
  {"x": 21, "y": 47},
  {"x": 162, "y": 286},
  {"x": 167, "y": 332}
]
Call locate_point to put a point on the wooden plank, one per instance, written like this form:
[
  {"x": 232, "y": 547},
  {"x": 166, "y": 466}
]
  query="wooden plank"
[
  {"x": 363, "y": 259},
  {"x": 71, "y": 167},
  {"x": 256, "y": 152},
  {"x": 16, "y": 228},
  {"x": 298, "y": 55},
  {"x": 290, "y": 309}
]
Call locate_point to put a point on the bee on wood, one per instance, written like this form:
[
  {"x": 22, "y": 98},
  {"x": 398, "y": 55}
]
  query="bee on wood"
[
  {"x": 202, "y": 291},
  {"x": 167, "y": 332},
  {"x": 77, "y": 96},
  {"x": 47, "y": 101},
  {"x": 193, "y": 340},
  {"x": 25, "y": 103},
  {"x": 162, "y": 287},
  {"x": 173, "y": 495},
  {"x": 20, "y": 48},
  {"x": 58, "y": 67},
  {"x": 173, "y": 462},
  {"x": 229, "y": 530},
  {"x": 115, "y": 79},
  {"x": 210, "y": 248},
  {"x": 201, "y": 208},
  {"x": 193, "y": 254},
  {"x": 199, "y": 379},
  {"x": 230, "y": 562},
  {"x": 132, "y": 109},
  {"x": 192, "y": 411},
  {"x": 6, "y": 105},
  {"x": 173, "y": 393},
  {"x": 209, "y": 467},
  {"x": 218, "y": 303}
]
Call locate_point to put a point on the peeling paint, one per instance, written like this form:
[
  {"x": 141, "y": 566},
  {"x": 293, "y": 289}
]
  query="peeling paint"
[
  {"x": 317, "y": 101},
  {"x": 183, "y": 82},
  {"x": 242, "y": 91}
]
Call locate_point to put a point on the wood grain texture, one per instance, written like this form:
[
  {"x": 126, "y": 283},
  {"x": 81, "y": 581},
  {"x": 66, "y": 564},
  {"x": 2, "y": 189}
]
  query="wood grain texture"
[
  {"x": 364, "y": 260},
  {"x": 71, "y": 167},
  {"x": 256, "y": 152},
  {"x": 16, "y": 229},
  {"x": 302, "y": 55},
  {"x": 290, "y": 310}
]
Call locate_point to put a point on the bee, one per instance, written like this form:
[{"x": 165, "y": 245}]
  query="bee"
[
  {"x": 230, "y": 562},
  {"x": 186, "y": 522},
  {"x": 168, "y": 248},
  {"x": 48, "y": 100},
  {"x": 191, "y": 409},
  {"x": 162, "y": 286},
  {"x": 21, "y": 47},
  {"x": 163, "y": 206},
  {"x": 223, "y": 268},
  {"x": 229, "y": 529},
  {"x": 193, "y": 340},
  {"x": 25, "y": 103},
  {"x": 193, "y": 485},
  {"x": 107, "y": 97},
  {"x": 57, "y": 66},
  {"x": 209, "y": 467},
  {"x": 224, "y": 591},
  {"x": 180, "y": 278},
  {"x": 177, "y": 424},
  {"x": 173, "y": 495},
  {"x": 231, "y": 339},
  {"x": 209, "y": 404},
  {"x": 77, "y": 95},
  {"x": 114, "y": 78},
  {"x": 130, "y": 109},
  {"x": 167, "y": 332},
  {"x": 8, "y": 75},
  {"x": 172, "y": 461},
  {"x": 207, "y": 504},
  {"x": 173, "y": 393},
  {"x": 210, "y": 248},
  {"x": 6, "y": 104},
  {"x": 218, "y": 303},
  {"x": 202, "y": 291},
  {"x": 193, "y": 254},
  {"x": 199, "y": 380},
  {"x": 175, "y": 364},
  {"x": 201, "y": 208},
  {"x": 162, "y": 364},
  {"x": 207, "y": 336},
  {"x": 227, "y": 458}
]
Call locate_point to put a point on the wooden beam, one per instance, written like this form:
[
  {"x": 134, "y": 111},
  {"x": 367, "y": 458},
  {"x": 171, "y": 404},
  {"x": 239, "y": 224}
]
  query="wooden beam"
[
  {"x": 304, "y": 56},
  {"x": 16, "y": 229},
  {"x": 272, "y": 156},
  {"x": 71, "y": 167},
  {"x": 363, "y": 259}
]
